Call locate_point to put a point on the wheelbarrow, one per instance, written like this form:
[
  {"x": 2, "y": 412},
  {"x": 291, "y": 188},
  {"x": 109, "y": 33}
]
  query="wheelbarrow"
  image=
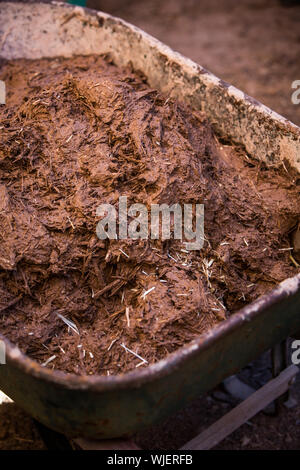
[{"x": 107, "y": 407}]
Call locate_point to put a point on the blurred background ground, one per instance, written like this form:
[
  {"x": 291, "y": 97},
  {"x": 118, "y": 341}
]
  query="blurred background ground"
[{"x": 254, "y": 45}]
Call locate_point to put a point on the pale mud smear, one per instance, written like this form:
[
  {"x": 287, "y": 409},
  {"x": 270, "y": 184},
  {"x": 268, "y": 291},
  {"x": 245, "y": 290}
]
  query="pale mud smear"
[{"x": 77, "y": 133}]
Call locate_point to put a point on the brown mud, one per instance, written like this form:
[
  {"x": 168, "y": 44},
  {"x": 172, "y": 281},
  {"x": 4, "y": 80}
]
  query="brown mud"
[{"x": 76, "y": 133}]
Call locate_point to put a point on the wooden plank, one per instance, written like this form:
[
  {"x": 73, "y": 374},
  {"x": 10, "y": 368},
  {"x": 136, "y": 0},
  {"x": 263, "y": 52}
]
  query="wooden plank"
[
  {"x": 105, "y": 444},
  {"x": 279, "y": 356},
  {"x": 243, "y": 412}
]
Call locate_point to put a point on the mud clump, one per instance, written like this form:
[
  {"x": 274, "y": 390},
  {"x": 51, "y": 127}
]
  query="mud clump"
[{"x": 77, "y": 133}]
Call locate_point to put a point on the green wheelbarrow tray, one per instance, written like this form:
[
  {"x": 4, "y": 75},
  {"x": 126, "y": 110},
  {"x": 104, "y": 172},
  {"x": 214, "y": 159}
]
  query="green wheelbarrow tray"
[{"x": 106, "y": 407}]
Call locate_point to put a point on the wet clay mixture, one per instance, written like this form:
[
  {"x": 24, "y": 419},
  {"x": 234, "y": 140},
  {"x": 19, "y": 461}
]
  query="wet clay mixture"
[{"x": 77, "y": 133}]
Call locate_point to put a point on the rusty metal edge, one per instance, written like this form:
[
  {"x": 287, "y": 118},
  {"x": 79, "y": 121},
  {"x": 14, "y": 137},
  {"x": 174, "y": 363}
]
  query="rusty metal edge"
[{"x": 162, "y": 368}]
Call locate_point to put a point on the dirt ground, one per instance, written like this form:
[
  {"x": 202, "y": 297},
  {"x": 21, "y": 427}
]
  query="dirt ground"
[{"x": 255, "y": 46}]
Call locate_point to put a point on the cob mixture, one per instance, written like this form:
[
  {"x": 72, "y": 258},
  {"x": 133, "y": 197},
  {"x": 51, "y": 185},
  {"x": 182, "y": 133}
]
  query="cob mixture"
[{"x": 76, "y": 133}]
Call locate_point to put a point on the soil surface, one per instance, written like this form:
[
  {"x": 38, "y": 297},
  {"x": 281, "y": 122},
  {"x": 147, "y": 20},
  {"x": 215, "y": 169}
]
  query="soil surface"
[{"x": 77, "y": 133}]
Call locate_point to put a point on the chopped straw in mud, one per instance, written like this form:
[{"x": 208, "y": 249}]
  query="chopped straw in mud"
[
  {"x": 71, "y": 223},
  {"x": 123, "y": 253},
  {"x": 69, "y": 323},
  {"x": 171, "y": 257},
  {"x": 111, "y": 344},
  {"x": 48, "y": 361},
  {"x": 205, "y": 268},
  {"x": 147, "y": 292},
  {"x": 127, "y": 316},
  {"x": 294, "y": 261},
  {"x": 290, "y": 248},
  {"x": 135, "y": 354}
]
